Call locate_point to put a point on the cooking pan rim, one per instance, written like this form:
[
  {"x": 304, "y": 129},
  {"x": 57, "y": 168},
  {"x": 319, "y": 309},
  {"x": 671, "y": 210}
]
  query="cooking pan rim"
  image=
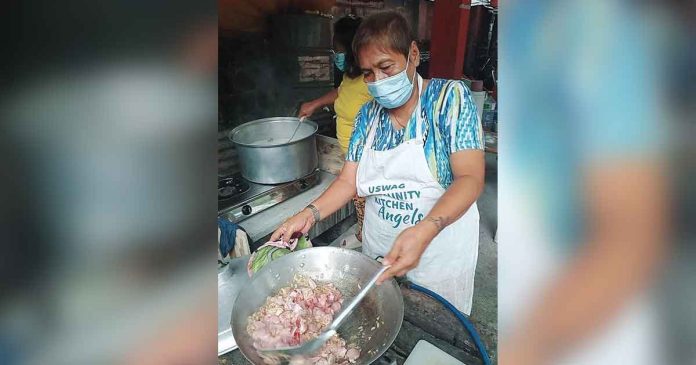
[{"x": 236, "y": 130}]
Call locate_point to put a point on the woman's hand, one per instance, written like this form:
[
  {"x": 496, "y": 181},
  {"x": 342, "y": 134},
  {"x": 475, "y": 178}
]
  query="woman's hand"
[
  {"x": 300, "y": 222},
  {"x": 307, "y": 109},
  {"x": 408, "y": 249}
]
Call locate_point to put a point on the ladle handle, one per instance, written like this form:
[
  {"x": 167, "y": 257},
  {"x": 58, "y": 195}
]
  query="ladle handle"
[{"x": 356, "y": 300}]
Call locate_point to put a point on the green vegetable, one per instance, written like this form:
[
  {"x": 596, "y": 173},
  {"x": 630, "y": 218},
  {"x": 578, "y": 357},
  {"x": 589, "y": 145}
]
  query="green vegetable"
[
  {"x": 278, "y": 252},
  {"x": 303, "y": 243},
  {"x": 265, "y": 254}
]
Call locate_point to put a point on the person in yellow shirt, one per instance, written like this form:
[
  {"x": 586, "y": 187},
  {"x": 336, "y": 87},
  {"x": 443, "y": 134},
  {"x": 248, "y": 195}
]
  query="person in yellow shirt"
[{"x": 348, "y": 98}]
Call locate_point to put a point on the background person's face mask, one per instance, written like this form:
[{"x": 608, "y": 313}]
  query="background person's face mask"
[
  {"x": 340, "y": 61},
  {"x": 393, "y": 91}
]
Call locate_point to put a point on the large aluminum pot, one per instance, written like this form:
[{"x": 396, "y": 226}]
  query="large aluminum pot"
[
  {"x": 266, "y": 156},
  {"x": 346, "y": 269}
]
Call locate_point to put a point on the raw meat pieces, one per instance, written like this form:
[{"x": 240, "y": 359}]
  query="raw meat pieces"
[{"x": 299, "y": 313}]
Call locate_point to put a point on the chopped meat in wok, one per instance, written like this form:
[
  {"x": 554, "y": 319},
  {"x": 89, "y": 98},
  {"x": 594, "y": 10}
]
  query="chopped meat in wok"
[{"x": 299, "y": 313}]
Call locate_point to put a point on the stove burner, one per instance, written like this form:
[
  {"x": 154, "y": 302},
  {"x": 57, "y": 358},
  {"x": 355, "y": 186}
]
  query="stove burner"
[
  {"x": 239, "y": 198},
  {"x": 230, "y": 187}
]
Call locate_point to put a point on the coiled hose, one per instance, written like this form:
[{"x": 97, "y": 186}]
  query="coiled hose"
[{"x": 464, "y": 321}]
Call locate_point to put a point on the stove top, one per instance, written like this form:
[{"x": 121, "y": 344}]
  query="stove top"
[
  {"x": 231, "y": 187},
  {"x": 239, "y": 198}
]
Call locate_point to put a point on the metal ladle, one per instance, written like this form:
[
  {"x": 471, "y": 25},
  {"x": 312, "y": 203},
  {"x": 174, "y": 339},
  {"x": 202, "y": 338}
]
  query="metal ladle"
[
  {"x": 315, "y": 344},
  {"x": 297, "y": 128}
]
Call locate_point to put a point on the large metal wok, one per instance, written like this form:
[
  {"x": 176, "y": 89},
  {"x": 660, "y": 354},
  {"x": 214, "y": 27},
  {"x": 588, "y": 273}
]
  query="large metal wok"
[{"x": 345, "y": 269}]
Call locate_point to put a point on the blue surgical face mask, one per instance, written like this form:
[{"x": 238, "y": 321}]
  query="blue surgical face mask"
[
  {"x": 393, "y": 91},
  {"x": 340, "y": 61}
]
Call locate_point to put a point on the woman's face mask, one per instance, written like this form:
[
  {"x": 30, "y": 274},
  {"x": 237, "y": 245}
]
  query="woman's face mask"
[
  {"x": 340, "y": 61},
  {"x": 393, "y": 91}
]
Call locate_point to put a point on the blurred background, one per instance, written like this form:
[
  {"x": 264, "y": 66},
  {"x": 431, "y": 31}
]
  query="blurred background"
[
  {"x": 108, "y": 189},
  {"x": 596, "y": 258}
]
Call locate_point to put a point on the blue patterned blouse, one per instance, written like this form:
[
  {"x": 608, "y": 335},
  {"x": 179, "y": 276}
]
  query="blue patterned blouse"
[{"x": 450, "y": 124}]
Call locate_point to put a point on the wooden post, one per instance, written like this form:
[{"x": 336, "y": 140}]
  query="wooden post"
[{"x": 449, "y": 35}]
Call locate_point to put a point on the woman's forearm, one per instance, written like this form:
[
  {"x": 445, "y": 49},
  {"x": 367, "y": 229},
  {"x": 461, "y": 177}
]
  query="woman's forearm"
[
  {"x": 413, "y": 241},
  {"x": 339, "y": 193},
  {"x": 326, "y": 99},
  {"x": 454, "y": 202}
]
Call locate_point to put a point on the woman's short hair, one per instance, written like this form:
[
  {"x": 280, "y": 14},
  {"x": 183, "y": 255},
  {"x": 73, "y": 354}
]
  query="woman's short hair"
[
  {"x": 388, "y": 29},
  {"x": 344, "y": 32}
]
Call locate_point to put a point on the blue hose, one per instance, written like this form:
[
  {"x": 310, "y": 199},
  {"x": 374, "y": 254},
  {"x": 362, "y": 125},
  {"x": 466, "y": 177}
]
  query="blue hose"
[{"x": 465, "y": 321}]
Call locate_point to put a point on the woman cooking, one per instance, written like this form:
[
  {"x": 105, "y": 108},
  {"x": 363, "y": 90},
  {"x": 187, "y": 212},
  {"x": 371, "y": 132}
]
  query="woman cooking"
[{"x": 416, "y": 154}]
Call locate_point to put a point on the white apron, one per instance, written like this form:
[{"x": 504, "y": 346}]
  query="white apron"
[{"x": 400, "y": 191}]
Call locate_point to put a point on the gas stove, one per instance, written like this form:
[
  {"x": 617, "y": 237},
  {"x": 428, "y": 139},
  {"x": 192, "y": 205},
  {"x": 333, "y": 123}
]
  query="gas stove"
[{"x": 239, "y": 199}]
